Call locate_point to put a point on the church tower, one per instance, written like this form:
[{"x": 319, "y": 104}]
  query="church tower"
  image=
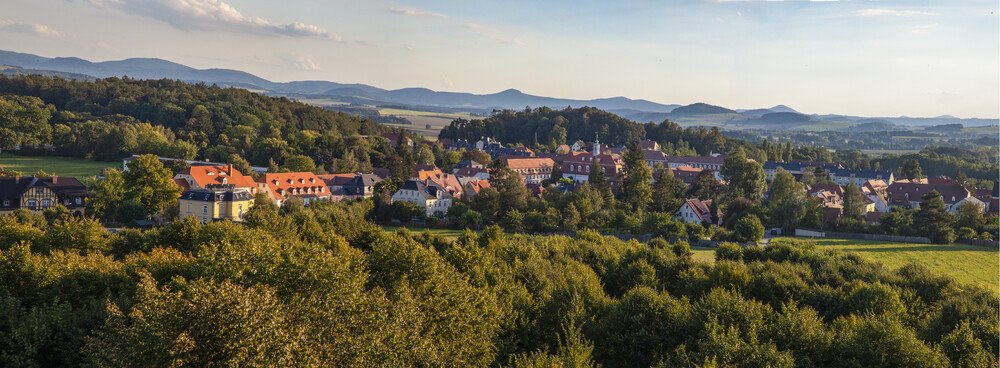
[{"x": 597, "y": 144}]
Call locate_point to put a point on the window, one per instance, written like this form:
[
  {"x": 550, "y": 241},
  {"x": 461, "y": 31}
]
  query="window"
[
  {"x": 32, "y": 203},
  {"x": 204, "y": 209},
  {"x": 46, "y": 203},
  {"x": 79, "y": 200},
  {"x": 6, "y": 203}
]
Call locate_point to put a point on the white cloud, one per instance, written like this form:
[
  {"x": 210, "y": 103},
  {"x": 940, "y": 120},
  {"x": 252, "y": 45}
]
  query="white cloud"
[
  {"x": 924, "y": 28},
  {"x": 298, "y": 62},
  {"x": 414, "y": 12},
  {"x": 493, "y": 34},
  {"x": 210, "y": 15},
  {"x": 35, "y": 29},
  {"x": 880, "y": 12}
]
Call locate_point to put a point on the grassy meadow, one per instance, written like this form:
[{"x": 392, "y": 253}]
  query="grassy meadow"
[
  {"x": 63, "y": 166},
  {"x": 970, "y": 265}
]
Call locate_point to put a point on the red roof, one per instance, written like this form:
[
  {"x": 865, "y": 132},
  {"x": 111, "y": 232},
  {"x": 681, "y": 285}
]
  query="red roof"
[
  {"x": 203, "y": 175},
  {"x": 906, "y": 191},
  {"x": 284, "y": 185}
]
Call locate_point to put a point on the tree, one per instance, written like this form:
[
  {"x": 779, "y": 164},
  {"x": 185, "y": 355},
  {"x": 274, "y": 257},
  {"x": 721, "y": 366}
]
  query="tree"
[
  {"x": 970, "y": 215},
  {"x": 425, "y": 156},
  {"x": 599, "y": 181},
  {"x": 748, "y": 229},
  {"x": 299, "y": 163},
  {"x": 933, "y": 220},
  {"x": 510, "y": 187},
  {"x": 911, "y": 169},
  {"x": 636, "y": 189},
  {"x": 745, "y": 178},
  {"x": 109, "y": 193},
  {"x": 150, "y": 184},
  {"x": 668, "y": 192},
  {"x": 705, "y": 186},
  {"x": 786, "y": 203},
  {"x": 854, "y": 203},
  {"x": 556, "y": 175}
]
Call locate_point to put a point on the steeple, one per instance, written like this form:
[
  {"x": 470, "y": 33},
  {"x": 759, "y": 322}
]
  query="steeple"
[{"x": 597, "y": 144}]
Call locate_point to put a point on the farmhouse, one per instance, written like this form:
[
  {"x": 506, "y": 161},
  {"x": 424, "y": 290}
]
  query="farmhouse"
[
  {"x": 696, "y": 211},
  {"x": 39, "y": 193}
]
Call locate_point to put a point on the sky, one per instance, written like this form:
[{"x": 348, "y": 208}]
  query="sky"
[{"x": 884, "y": 58}]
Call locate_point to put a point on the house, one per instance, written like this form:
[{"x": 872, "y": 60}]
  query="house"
[
  {"x": 471, "y": 172},
  {"x": 578, "y": 146},
  {"x": 687, "y": 174},
  {"x": 469, "y": 163},
  {"x": 696, "y": 211},
  {"x": 201, "y": 176},
  {"x": 216, "y": 202},
  {"x": 796, "y": 168},
  {"x": 578, "y": 168},
  {"x": 830, "y": 195},
  {"x": 39, "y": 193},
  {"x": 362, "y": 185},
  {"x": 126, "y": 161},
  {"x": 532, "y": 170},
  {"x": 649, "y": 145},
  {"x": 447, "y": 183},
  {"x": 877, "y": 192},
  {"x": 859, "y": 177},
  {"x": 713, "y": 163},
  {"x": 430, "y": 198},
  {"x": 563, "y": 149},
  {"x": 305, "y": 185},
  {"x": 395, "y": 137},
  {"x": 909, "y": 193},
  {"x": 472, "y": 186}
]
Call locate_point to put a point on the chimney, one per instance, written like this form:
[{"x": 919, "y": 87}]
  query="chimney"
[
  {"x": 55, "y": 179},
  {"x": 229, "y": 169}
]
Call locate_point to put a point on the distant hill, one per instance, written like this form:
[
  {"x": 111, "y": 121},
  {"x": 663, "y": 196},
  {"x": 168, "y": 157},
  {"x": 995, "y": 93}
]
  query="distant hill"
[
  {"x": 700, "y": 108},
  {"x": 424, "y": 99},
  {"x": 13, "y": 70},
  {"x": 150, "y": 68}
]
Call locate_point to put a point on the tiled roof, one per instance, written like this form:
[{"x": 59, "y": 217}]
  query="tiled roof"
[
  {"x": 285, "y": 185},
  {"x": 906, "y": 191},
  {"x": 525, "y": 163},
  {"x": 204, "y": 175}
]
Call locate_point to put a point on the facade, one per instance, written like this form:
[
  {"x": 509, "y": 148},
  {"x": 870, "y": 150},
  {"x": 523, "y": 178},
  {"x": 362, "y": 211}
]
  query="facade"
[
  {"x": 305, "y": 185},
  {"x": 532, "y": 170},
  {"x": 39, "y": 193},
  {"x": 695, "y": 211},
  {"x": 859, "y": 177},
  {"x": 216, "y": 202},
  {"x": 429, "y": 198},
  {"x": 201, "y": 176}
]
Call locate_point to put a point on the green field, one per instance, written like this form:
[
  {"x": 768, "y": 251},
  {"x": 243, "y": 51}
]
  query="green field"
[
  {"x": 419, "y": 120},
  {"x": 64, "y": 166},
  {"x": 703, "y": 254},
  {"x": 970, "y": 265},
  {"x": 449, "y": 234}
]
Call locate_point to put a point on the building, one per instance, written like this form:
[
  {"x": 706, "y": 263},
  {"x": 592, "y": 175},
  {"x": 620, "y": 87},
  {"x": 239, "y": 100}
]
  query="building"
[
  {"x": 216, "y": 202},
  {"x": 909, "y": 193},
  {"x": 447, "y": 183},
  {"x": 877, "y": 192},
  {"x": 687, "y": 174},
  {"x": 532, "y": 170},
  {"x": 649, "y": 145},
  {"x": 713, "y": 163},
  {"x": 201, "y": 176},
  {"x": 126, "y": 161},
  {"x": 471, "y": 172},
  {"x": 796, "y": 168},
  {"x": 282, "y": 186},
  {"x": 430, "y": 198},
  {"x": 473, "y": 186},
  {"x": 859, "y": 177},
  {"x": 39, "y": 193},
  {"x": 696, "y": 211}
]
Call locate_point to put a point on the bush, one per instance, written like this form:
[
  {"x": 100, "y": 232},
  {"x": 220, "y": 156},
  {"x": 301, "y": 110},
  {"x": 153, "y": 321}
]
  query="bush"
[
  {"x": 748, "y": 229},
  {"x": 966, "y": 233}
]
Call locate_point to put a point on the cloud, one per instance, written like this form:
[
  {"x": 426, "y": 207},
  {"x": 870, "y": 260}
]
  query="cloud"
[
  {"x": 414, "y": 12},
  {"x": 34, "y": 29},
  {"x": 493, "y": 34},
  {"x": 298, "y": 62},
  {"x": 875, "y": 12},
  {"x": 211, "y": 15},
  {"x": 923, "y": 29}
]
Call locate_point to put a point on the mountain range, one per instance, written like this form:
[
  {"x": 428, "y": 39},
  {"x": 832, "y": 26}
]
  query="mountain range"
[{"x": 13, "y": 63}]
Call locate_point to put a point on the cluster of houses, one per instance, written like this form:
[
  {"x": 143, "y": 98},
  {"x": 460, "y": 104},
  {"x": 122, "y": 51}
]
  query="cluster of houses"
[{"x": 216, "y": 191}]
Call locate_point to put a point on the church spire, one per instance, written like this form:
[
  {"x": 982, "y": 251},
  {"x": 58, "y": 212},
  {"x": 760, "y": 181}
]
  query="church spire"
[{"x": 597, "y": 144}]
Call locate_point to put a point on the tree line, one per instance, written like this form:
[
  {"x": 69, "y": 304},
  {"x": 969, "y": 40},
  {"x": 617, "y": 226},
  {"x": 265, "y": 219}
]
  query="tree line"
[{"x": 322, "y": 286}]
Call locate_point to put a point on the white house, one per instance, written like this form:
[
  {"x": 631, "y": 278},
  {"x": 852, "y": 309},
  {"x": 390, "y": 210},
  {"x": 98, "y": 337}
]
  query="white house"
[
  {"x": 695, "y": 211},
  {"x": 431, "y": 198}
]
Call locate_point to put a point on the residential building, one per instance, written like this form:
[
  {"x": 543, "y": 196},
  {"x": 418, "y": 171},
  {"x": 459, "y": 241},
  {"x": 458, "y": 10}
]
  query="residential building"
[
  {"x": 472, "y": 186},
  {"x": 796, "y": 168},
  {"x": 471, "y": 172},
  {"x": 859, "y": 177},
  {"x": 909, "y": 193},
  {"x": 128, "y": 160},
  {"x": 696, "y": 211},
  {"x": 39, "y": 193},
  {"x": 448, "y": 183},
  {"x": 430, "y": 198},
  {"x": 304, "y": 185},
  {"x": 532, "y": 170},
  {"x": 216, "y": 202},
  {"x": 201, "y": 176}
]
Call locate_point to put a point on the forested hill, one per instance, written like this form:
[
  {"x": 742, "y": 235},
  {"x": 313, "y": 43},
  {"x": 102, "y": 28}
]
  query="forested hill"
[
  {"x": 110, "y": 118},
  {"x": 550, "y": 127}
]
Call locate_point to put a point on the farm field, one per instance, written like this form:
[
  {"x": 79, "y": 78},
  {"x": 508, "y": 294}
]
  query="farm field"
[
  {"x": 970, "y": 265},
  {"x": 63, "y": 166},
  {"x": 420, "y": 120}
]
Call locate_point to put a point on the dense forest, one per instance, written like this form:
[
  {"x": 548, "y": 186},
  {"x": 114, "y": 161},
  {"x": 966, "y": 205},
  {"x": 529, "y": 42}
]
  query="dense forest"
[
  {"x": 321, "y": 286},
  {"x": 108, "y": 119}
]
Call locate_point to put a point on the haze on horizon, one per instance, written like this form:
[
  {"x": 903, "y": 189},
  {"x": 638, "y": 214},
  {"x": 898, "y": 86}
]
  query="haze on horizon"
[{"x": 859, "y": 58}]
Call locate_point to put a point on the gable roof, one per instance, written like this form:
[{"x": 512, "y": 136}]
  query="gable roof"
[
  {"x": 906, "y": 191},
  {"x": 701, "y": 208},
  {"x": 284, "y": 185},
  {"x": 205, "y": 175},
  {"x": 525, "y": 163}
]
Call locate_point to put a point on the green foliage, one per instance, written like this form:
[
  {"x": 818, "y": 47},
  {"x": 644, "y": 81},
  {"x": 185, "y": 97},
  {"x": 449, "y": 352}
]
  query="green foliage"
[
  {"x": 933, "y": 220},
  {"x": 745, "y": 178},
  {"x": 748, "y": 229}
]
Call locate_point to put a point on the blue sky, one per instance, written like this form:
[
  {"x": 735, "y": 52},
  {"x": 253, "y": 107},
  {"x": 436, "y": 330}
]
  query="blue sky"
[{"x": 884, "y": 58}]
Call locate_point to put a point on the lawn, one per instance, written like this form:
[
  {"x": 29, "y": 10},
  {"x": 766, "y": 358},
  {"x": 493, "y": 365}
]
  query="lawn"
[
  {"x": 449, "y": 234},
  {"x": 703, "y": 254},
  {"x": 968, "y": 264},
  {"x": 64, "y": 166}
]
